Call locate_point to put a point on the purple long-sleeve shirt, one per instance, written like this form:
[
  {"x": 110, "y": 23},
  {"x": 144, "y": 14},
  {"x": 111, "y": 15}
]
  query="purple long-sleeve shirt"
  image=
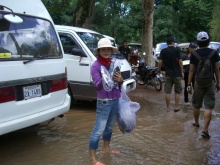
[{"x": 97, "y": 80}]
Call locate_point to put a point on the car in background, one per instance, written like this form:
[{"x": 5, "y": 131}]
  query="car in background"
[
  {"x": 134, "y": 45},
  {"x": 135, "y": 48},
  {"x": 112, "y": 40},
  {"x": 215, "y": 45},
  {"x": 183, "y": 48},
  {"x": 159, "y": 47},
  {"x": 78, "y": 46}
]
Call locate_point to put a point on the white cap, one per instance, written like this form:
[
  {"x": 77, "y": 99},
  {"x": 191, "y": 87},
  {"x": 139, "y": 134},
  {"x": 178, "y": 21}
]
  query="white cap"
[
  {"x": 105, "y": 43},
  {"x": 202, "y": 36}
]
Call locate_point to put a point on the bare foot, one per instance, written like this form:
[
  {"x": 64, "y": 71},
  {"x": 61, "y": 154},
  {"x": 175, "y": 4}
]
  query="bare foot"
[
  {"x": 95, "y": 163},
  {"x": 111, "y": 152},
  {"x": 98, "y": 163}
]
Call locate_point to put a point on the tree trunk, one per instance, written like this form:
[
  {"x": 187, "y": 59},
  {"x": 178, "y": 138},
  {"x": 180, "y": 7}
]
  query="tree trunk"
[
  {"x": 147, "y": 31},
  {"x": 84, "y": 13}
]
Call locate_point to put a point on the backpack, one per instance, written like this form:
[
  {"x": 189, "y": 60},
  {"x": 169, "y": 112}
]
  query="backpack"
[{"x": 204, "y": 72}]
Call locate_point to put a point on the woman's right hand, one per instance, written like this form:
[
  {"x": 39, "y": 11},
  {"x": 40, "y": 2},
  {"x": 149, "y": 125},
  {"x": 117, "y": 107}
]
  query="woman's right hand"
[{"x": 117, "y": 77}]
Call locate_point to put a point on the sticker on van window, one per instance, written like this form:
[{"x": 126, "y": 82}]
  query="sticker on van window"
[{"x": 5, "y": 55}]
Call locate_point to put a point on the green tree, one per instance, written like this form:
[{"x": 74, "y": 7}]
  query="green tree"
[
  {"x": 182, "y": 19},
  {"x": 123, "y": 19},
  {"x": 147, "y": 26},
  {"x": 61, "y": 11},
  {"x": 112, "y": 17},
  {"x": 164, "y": 23},
  {"x": 194, "y": 16},
  {"x": 215, "y": 24},
  {"x": 84, "y": 13}
]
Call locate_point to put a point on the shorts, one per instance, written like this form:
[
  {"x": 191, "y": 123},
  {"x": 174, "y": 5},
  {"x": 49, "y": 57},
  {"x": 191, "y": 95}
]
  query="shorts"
[
  {"x": 206, "y": 94},
  {"x": 169, "y": 82}
]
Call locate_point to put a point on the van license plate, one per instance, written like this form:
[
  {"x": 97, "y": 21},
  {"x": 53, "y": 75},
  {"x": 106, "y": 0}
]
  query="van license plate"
[{"x": 32, "y": 91}]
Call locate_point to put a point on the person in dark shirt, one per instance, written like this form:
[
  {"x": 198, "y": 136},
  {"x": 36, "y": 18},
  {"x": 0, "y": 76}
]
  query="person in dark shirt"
[
  {"x": 125, "y": 50},
  {"x": 192, "y": 47},
  {"x": 172, "y": 59},
  {"x": 204, "y": 95}
]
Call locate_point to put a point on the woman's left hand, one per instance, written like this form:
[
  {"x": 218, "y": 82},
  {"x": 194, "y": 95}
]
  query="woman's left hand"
[{"x": 117, "y": 77}]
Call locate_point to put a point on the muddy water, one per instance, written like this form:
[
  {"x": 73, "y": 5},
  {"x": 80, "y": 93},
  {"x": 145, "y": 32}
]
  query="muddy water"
[{"x": 159, "y": 138}]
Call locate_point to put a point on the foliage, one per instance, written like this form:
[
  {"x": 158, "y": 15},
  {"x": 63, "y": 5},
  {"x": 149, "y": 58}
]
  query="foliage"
[
  {"x": 61, "y": 10},
  {"x": 119, "y": 19},
  {"x": 195, "y": 16},
  {"x": 84, "y": 12},
  {"x": 182, "y": 19},
  {"x": 215, "y": 24},
  {"x": 122, "y": 19},
  {"x": 164, "y": 23}
]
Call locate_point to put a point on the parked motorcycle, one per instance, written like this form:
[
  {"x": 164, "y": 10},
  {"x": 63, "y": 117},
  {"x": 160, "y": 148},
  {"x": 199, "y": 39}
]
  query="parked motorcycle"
[{"x": 148, "y": 76}]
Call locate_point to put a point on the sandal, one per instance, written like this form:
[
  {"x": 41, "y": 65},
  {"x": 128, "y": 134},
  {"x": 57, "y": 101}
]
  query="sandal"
[
  {"x": 195, "y": 125},
  {"x": 176, "y": 110},
  {"x": 206, "y": 135}
]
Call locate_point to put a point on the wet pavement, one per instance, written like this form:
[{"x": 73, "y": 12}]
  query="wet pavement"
[{"x": 160, "y": 137}]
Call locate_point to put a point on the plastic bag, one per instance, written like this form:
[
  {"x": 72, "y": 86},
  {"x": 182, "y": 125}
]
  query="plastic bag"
[
  {"x": 107, "y": 76},
  {"x": 126, "y": 117},
  {"x": 115, "y": 66},
  {"x": 107, "y": 81}
]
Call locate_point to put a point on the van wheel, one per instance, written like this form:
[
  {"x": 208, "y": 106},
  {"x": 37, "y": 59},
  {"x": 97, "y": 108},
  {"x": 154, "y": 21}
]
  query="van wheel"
[{"x": 71, "y": 97}]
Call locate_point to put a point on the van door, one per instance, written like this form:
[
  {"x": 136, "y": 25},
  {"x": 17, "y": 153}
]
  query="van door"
[{"x": 78, "y": 67}]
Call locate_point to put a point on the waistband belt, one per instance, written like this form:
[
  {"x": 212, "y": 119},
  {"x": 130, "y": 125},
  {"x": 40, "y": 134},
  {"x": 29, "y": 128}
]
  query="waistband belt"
[{"x": 106, "y": 99}]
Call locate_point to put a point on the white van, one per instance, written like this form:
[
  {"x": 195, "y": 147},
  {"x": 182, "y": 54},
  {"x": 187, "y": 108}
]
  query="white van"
[
  {"x": 112, "y": 40},
  {"x": 33, "y": 78},
  {"x": 79, "y": 45}
]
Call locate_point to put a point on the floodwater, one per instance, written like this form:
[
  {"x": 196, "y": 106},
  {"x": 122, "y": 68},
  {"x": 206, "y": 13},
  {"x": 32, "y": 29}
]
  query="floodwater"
[{"x": 160, "y": 137}]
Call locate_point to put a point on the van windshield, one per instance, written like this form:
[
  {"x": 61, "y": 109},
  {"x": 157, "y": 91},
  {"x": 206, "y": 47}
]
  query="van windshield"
[
  {"x": 90, "y": 39},
  {"x": 33, "y": 38}
]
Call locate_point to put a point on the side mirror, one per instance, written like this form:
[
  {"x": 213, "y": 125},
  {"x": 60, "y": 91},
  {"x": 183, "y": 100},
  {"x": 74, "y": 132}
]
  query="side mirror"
[
  {"x": 78, "y": 52},
  {"x": 13, "y": 18}
]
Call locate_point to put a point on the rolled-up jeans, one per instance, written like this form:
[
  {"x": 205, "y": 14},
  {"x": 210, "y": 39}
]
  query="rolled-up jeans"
[{"x": 106, "y": 112}]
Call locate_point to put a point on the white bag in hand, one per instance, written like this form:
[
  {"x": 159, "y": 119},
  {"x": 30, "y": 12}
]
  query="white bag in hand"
[{"x": 126, "y": 118}]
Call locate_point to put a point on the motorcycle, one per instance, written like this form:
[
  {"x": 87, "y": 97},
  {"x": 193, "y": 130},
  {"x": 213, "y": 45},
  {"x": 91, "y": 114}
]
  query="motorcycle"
[{"x": 148, "y": 76}]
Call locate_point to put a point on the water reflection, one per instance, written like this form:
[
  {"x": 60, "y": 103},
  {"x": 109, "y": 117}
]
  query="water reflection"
[{"x": 159, "y": 138}]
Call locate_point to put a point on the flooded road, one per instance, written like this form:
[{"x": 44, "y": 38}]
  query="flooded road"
[{"x": 160, "y": 137}]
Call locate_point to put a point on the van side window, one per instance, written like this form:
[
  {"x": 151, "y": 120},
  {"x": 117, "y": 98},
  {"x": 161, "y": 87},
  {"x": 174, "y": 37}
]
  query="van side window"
[{"x": 68, "y": 43}]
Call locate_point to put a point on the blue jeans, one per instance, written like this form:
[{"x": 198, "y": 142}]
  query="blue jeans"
[{"x": 106, "y": 112}]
